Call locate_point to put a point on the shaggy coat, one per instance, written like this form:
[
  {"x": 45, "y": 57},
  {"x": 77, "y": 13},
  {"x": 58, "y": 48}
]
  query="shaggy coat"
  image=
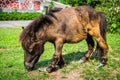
[{"x": 61, "y": 26}]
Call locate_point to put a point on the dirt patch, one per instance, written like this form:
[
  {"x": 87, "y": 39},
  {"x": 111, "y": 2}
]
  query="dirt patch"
[
  {"x": 2, "y": 49},
  {"x": 57, "y": 75},
  {"x": 72, "y": 75}
]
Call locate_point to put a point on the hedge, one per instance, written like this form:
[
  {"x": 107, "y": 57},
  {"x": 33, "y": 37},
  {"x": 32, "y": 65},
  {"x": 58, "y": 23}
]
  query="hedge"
[
  {"x": 18, "y": 16},
  {"x": 111, "y": 8}
]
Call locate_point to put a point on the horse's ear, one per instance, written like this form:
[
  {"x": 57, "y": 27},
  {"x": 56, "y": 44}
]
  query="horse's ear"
[{"x": 22, "y": 27}]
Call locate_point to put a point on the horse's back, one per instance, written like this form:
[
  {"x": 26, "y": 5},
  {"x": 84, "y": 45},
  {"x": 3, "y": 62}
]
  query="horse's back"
[
  {"x": 71, "y": 23},
  {"x": 69, "y": 26}
]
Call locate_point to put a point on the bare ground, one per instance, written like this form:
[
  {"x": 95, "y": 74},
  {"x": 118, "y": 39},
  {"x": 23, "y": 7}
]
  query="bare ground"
[
  {"x": 59, "y": 75},
  {"x": 72, "y": 75},
  {"x": 2, "y": 49}
]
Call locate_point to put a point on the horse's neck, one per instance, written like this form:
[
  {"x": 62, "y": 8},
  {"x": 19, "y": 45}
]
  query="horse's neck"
[{"x": 41, "y": 33}]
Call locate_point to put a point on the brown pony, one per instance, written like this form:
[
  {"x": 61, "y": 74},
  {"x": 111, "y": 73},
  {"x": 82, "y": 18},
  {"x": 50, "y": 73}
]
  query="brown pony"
[{"x": 61, "y": 26}]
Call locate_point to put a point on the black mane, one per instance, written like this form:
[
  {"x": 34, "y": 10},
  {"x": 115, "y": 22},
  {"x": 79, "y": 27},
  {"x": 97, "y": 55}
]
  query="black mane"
[{"x": 38, "y": 23}]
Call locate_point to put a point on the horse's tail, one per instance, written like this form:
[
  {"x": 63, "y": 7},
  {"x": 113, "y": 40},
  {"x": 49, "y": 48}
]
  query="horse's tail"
[{"x": 103, "y": 27}]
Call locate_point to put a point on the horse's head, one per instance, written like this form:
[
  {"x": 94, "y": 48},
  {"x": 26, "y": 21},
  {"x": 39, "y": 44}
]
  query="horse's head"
[
  {"x": 33, "y": 48},
  {"x": 33, "y": 38},
  {"x": 32, "y": 51}
]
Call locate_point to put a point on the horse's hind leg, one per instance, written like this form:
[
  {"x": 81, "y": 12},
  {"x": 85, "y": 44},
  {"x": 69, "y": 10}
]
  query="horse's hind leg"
[
  {"x": 90, "y": 43},
  {"x": 103, "y": 26},
  {"x": 103, "y": 45}
]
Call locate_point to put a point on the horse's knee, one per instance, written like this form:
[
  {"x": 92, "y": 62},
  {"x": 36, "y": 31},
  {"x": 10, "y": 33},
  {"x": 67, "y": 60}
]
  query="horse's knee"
[
  {"x": 105, "y": 47},
  {"x": 56, "y": 56},
  {"x": 102, "y": 43}
]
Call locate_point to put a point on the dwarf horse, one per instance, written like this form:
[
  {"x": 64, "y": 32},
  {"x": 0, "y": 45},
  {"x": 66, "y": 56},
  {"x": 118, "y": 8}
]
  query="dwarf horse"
[{"x": 59, "y": 26}]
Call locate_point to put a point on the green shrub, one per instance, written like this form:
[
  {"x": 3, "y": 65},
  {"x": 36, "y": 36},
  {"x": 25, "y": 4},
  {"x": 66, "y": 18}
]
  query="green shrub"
[
  {"x": 112, "y": 14},
  {"x": 107, "y": 6},
  {"x": 18, "y": 15}
]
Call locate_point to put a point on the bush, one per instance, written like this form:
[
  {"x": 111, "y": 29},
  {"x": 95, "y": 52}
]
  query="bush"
[
  {"x": 112, "y": 11},
  {"x": 18, "y": 16},
  {"x": 110, "y": 7}
]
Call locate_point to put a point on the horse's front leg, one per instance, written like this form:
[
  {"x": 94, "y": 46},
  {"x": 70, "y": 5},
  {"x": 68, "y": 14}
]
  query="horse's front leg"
[{"x": 57, "y": 57}]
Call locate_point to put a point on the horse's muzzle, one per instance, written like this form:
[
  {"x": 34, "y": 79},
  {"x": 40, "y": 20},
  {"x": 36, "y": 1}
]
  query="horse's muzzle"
[{"x": 29, "y": 66}]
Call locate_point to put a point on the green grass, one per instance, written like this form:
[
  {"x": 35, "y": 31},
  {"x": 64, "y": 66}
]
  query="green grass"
[{"x": 12, "y": 68}]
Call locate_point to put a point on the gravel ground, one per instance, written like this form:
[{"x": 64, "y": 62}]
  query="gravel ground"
[{"x": 14, "y": 23}]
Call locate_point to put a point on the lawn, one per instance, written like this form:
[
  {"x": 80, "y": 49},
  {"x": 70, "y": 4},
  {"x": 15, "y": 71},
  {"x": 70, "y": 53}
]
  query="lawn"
[{"x": 12, "y": 68}]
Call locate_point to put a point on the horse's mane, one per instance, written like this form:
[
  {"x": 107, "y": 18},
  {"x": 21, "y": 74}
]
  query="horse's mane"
[{"x": 38, "y": 23}]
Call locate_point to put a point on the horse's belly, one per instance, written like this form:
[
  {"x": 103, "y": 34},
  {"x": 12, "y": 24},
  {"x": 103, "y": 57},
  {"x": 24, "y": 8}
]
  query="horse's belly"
[{"x": 75, "y": 38}]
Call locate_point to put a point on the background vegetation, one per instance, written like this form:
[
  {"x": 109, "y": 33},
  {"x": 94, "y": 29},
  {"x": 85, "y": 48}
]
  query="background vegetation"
[{"x": 18, "y": 16}]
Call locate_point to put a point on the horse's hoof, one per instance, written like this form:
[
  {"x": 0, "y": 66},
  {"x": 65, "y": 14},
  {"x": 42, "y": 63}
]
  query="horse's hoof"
[
  {"x": 100, "y": 65},
  {"x": 104, "y": 61},
  {"x": 81, "y": 61},
  {"x": 51, "y": 69}
]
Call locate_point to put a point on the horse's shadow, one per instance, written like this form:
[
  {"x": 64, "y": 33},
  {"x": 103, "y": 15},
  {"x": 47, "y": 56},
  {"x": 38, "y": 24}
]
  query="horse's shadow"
[{"x": 74, "y": 56}]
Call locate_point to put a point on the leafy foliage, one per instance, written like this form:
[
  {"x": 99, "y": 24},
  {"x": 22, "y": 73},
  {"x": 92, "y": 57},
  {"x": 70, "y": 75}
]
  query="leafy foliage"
[
  {"x": 18, "y": 15},
  {"x": 92, "y": 3},
  {"x": 112, "y": 13}
]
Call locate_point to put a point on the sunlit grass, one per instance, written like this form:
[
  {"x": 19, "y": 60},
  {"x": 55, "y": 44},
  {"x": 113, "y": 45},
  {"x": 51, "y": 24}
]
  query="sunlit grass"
[{"x": 12, "y": 68}]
